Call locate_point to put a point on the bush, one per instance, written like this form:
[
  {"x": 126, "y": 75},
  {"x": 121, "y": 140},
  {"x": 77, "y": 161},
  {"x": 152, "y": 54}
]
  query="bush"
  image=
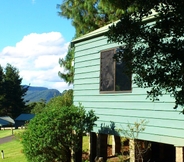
[{"x": 53, "y": 134}]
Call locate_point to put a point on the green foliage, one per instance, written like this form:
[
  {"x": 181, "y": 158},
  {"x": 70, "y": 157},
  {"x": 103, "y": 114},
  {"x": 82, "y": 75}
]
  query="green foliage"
[
  {"x": 132, "y": 132},
  {"x": 2, "y": 95},
  {"x": 13, "y": 149},
  {"x": 86, "y": 16},
  {"x": 89, "y": 15},
  {"x": 65, "y": 100},
  {"x": 66, "y": 63},
  {"x": 11, "y": 92},
  {"x": 37, "y": 107},
  {"x": 155, "y": 51},
  {"x": 53, "y": 134}
]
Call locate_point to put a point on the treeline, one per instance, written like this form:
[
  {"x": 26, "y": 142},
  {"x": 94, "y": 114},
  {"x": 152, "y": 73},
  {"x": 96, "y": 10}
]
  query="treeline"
[
  {"x": 11, "y": 92},
  {"x": 66, "y": 98}
]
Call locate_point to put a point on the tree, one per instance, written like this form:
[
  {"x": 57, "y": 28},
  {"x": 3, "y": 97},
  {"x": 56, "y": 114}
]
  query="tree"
[
  {"x": 37, "y": 107},
  {"x": 154, "y": 52},
  {"x": 86, "y": 16},
  {"x": 11, "y": 98},
  {"x": 66, "y": 99},
  {"x": 67, "y": 64},
  {"x": 1, "y": 89},
  {"x": 54, "y": 133}
]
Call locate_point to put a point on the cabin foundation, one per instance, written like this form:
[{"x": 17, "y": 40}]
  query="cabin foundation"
[{"x": 154, "y": 151}]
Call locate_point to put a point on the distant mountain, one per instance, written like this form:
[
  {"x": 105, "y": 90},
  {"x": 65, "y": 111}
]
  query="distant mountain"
[{"x": 35, "y": 94}]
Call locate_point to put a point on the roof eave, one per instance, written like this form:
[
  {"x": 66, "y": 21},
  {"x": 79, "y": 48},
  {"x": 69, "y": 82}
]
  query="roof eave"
[{"x": 102, "y": 30}]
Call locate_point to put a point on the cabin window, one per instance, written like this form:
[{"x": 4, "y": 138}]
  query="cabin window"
[{"x": 112, "y": 74}]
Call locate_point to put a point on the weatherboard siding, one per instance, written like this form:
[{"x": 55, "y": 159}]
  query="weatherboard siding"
[{"x": 164, "y": 125}]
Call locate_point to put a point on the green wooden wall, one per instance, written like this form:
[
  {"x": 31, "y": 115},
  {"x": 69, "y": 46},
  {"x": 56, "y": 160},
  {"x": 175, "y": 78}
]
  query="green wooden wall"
[{"x": 164, "y": 124}]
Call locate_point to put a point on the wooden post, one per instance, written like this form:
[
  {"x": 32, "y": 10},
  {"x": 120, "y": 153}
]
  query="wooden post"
[
  {"x": 116, "y": 145},
  {"x": 132, "y": 150},
  {"x": 113, "y": 145},
  {"x": 93, "y": 146},
  {"x": 102, "y": 146},
  {"x": 2, "y": 154},
  {"x": 179, "y": 154},
  {"x": 78, "y": 153}
]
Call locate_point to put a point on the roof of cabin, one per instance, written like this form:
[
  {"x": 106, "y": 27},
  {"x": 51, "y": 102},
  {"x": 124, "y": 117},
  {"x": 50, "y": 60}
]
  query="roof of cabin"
[
  {"x": 24, "y": 117},
  {"x": 5, "y": 120},
  {"x": 92, "y": 34},
  {"x": 104, "y": 29}
]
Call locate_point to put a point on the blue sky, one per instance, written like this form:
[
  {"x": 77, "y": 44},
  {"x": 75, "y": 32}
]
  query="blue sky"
[{"x": 33, "y": 38}]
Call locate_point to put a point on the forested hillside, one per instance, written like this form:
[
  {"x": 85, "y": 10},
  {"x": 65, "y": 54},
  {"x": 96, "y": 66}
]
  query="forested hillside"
[{"x": 35, "y": 94}]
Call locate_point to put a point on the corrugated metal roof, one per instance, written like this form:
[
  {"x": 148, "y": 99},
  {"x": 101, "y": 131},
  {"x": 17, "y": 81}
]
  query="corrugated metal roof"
[
  {"x": 5, "y": 120},
  {"x": 104, "y": 29},
  {"x": 94, "y": 33},
  {"x": 24, "y": 117}
]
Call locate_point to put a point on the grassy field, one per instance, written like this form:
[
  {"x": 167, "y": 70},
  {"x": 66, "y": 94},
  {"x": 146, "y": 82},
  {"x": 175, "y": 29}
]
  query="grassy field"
[
  {"x": 4, "y": 133},
  {"x": 13, "y": 150},
  {"x": 85, "y": 143}
]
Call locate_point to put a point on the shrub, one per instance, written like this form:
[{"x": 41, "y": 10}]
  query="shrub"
[{"x": 53, "y": 134}]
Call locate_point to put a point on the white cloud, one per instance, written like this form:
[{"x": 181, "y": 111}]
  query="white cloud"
[
  {"x": 36, "y": 56},
  {"x": 33, "y": 1}
]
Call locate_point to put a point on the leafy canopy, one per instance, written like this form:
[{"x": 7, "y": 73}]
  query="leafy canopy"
[
  {"x": 89, "y": 15},
  {"x": 154, "y": 51},
  {"x": 67, "y": 64},
  {"x": 37, "y": 107},
  {"x": 86, "y": 16}
]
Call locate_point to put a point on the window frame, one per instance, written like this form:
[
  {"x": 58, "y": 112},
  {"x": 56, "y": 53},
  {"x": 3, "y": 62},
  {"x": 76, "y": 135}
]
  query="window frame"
[{"x": 114, "y": 73}]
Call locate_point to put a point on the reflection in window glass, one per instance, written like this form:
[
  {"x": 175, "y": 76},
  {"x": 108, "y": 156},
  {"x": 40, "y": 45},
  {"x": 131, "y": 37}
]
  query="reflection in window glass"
[{"x": 112, "y": 74}]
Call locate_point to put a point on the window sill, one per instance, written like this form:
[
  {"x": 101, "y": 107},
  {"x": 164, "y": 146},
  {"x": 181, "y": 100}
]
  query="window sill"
[{"x": 112, "y": 92}]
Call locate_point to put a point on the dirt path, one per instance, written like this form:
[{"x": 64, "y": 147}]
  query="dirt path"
[{"x": 6, "y": 139}]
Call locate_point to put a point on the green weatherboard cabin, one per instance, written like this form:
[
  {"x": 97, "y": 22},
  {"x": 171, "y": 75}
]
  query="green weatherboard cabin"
[{"x": 99, "y": 85}]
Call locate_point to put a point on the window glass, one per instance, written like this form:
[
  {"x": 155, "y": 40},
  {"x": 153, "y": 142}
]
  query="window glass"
[
  {"x": 123, "y": 80},
  {"x": 107, "y": 71},
  {"x": 113, "y": 76}
]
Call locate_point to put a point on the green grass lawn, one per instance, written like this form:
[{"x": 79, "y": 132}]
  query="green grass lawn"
[
  {"x": 85, "y": 144},
  {"x": 4, "y": 133},
  {"x": 13, "y": 150}
]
